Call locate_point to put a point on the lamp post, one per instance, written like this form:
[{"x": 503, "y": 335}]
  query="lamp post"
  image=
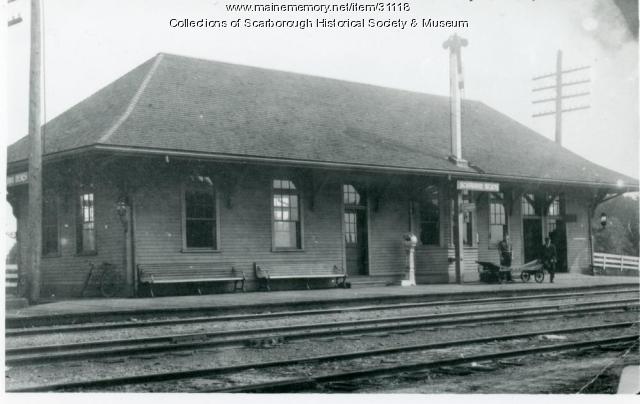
[
  {"x": 603, "y": 220},
  {"x": 409, "y": 240}
]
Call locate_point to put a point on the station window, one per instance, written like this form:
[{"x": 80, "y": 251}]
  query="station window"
[
  {"x": 553, "y": 213},
  {"x": 352, "y": 203},
  {"x": 350, "y": 228},
  {"x": 286, "y": 215},
  {"x": 467, "y": 221},
  {"x": 497, "y": 218},
  {"x": 200, "y": 214},
  {"x": 529, "y": 205},
  {"x": 554, "y": 207},
  {"x": 467, "y": 229},
  {"x": 86, "y": 226},
  {"x": 430, "y": 217},
  {"x": 50, "y": 232}
]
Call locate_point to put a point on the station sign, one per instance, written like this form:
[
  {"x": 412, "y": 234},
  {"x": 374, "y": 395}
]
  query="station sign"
[
  {"x": 17, "y": 179},
  {"x": 478, "y": 186}
]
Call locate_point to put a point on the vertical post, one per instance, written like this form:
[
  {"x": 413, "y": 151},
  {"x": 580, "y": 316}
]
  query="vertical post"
[
  {"x": 457, "y": 234},
  {"x": 559, "y": 98},
  {"x": 34, "y": 223},
  {"x": 456, "y": 122},
  {"x": 125, "y": 251},
  {"x": 412, "y": 266}
]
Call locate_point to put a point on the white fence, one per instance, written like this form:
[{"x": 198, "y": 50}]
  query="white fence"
[
  {"x": 612, "y": 261},
  {"x": 11, "y": 279}
]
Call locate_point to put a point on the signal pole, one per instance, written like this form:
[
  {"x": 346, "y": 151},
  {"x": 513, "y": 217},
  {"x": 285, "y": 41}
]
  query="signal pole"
[
  {"x": 34, "y": 220},
  {"x": 558, "y": 86}
]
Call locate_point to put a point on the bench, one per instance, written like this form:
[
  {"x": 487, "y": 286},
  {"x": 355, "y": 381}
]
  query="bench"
[
  {"x": 166, "y": 273},
  {"x": 299, "y": 271}
]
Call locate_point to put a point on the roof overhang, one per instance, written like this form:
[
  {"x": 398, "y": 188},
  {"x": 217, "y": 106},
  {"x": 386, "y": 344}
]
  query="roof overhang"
[{"x": 16, "y": 166}]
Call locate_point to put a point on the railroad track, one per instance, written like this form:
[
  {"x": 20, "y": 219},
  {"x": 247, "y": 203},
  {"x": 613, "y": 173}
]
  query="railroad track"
[
  {"x": 125, "y": 347},
  {"x": 75, "y": 328},
  {"x": 312, "y": 382}
]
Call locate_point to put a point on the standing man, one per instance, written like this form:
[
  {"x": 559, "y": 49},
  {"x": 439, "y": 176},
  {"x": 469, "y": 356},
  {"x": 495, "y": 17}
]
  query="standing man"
[
  {"x": 505, "y": 249},
  {"x": 549, "y": 258}
]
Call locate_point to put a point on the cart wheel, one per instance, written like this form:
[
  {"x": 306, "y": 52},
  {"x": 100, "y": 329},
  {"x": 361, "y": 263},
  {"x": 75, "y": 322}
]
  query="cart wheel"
[
  {"x": 525, "y": 276},
  {"x": 539, "y": 276},
  {"x": 110, "y": 283}
]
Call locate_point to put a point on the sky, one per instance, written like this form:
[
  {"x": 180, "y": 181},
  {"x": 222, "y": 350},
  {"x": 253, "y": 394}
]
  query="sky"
[{"x": 88, "y": 44}]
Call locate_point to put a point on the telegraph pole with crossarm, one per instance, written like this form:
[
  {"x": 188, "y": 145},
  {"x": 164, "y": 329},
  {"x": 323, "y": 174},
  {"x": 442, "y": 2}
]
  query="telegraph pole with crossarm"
[{"x": 559, "y": 86}]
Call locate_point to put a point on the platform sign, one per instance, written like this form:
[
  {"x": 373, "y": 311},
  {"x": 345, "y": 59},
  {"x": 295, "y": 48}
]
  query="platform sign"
[
  {"x": 17, "y": 179},
  {"x": 478, "y": 186}
]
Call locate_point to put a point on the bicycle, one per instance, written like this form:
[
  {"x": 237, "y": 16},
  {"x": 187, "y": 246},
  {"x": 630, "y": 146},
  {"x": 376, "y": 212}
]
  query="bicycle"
[{"x": 104, "y": 277}]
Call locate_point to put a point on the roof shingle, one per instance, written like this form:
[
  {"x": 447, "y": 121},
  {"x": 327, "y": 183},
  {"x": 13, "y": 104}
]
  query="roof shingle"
[{"x": 178, "y": 103}]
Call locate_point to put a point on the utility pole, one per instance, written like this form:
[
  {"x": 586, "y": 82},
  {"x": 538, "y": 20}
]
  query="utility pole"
[
  {"x": 35, "y": 154},
  {"x": 558, "y": 86},
  {"x": 34, "y": 220}
]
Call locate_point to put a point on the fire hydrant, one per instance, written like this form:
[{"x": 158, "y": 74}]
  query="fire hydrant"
[{"x": 410, "y": 241}]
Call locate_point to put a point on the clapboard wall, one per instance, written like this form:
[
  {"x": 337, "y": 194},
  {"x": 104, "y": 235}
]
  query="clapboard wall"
[{"x": 245, "y": 224}]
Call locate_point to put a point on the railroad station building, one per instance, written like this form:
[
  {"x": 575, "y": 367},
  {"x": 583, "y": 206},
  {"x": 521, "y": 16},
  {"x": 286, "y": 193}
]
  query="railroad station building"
[{"x": 184, "y": 160}]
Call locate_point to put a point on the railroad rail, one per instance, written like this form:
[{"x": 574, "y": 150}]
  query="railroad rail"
[
  {"x": 99, "y": 349},
  {"x": 312, "y": 382},
  {"x": 9, "y": 332},
  {"x": 289, "y": 385},
  {"x": 74, "y": 319}
]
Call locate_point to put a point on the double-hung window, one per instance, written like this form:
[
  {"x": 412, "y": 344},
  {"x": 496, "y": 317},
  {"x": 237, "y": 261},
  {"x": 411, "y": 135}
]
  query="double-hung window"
[
  {"x": 50, "y": 235},
  {"x": 467, "y": 229},
  {"x": 467, "y": 221},
  {"x": 86, "y": 225},
  {"x": 553, "y": 214},
  {"x": 286, "y": 215},
  {"x": 497, "y": 219},
  {"x": 430, "y": 217},
  {"x": 200, "y": 214}
]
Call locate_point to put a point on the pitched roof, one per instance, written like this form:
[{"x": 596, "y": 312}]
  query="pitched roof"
[{"x": 177, "y": 103}]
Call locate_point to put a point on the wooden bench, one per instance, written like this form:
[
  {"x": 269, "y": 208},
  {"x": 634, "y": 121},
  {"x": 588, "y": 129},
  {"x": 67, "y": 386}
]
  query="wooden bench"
[
  {"x": 299, "y": 271},
  {"x": 165, "y": 273}
]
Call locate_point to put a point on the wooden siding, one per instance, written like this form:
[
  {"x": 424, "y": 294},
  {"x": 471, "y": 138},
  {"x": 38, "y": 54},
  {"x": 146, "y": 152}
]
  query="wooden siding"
[
  {"x": 432, "y": 265},
  {"x": 578, "y": 246},
  {"x": 432, "y": 262},
  {"x": 387, "y": 224},
  {"x": 64, "y": 274},
  {"x": 515, "y": 232},
  {"x": 245, "y": 226},
  {"x": 487, "y": 250}
]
